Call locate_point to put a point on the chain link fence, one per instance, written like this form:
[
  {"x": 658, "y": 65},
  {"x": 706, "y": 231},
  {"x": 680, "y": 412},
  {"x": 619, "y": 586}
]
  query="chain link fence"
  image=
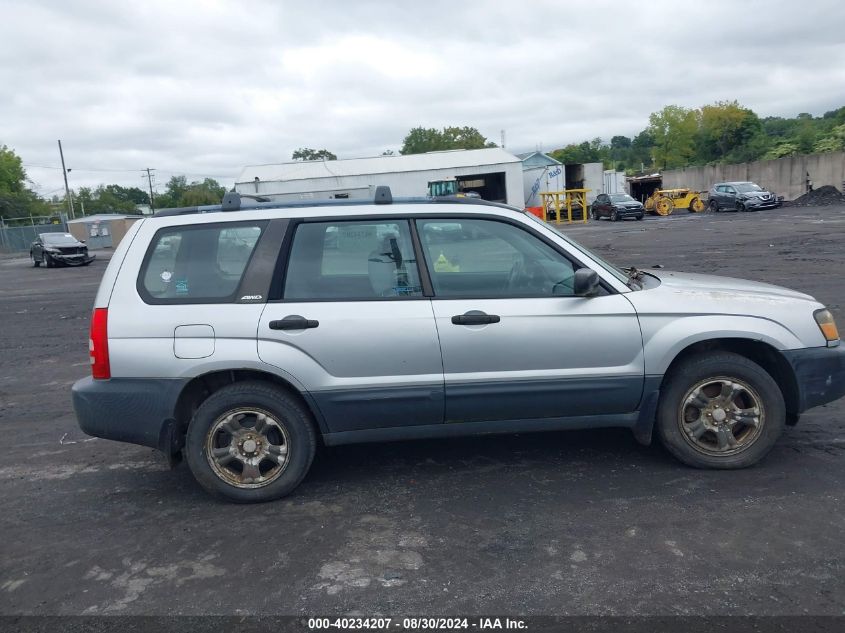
[{"x": 16, "y": 237}]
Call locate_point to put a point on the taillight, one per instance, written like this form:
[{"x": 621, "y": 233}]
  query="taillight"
[{"x": 98, "y": 344}]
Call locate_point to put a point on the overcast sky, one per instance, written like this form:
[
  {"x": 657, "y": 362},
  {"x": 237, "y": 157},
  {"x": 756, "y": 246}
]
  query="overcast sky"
[{"x": 205, "y": 88}]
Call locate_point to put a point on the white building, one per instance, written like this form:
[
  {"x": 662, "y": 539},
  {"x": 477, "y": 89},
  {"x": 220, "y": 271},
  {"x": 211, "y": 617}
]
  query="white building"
[{"x": 494, "y": 173}]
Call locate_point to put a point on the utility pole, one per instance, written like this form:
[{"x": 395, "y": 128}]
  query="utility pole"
[
  {"x": 67, "y": 189},
  {"x": 150, "y": 183},
  {"x": 503, "y": 139}
]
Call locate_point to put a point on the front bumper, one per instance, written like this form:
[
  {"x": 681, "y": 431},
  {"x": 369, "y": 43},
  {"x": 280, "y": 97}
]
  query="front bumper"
[
  {"x": 135, "y": 410},
  {"x": 630, "y": 212},
  {"x": 73, "y": 260},
  {"x": 820, "y": 373},
  {"x": 753, "y": 205}
]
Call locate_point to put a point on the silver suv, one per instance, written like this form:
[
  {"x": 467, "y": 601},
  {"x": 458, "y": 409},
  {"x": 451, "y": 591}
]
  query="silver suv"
[{"x": 244, "y": 333}]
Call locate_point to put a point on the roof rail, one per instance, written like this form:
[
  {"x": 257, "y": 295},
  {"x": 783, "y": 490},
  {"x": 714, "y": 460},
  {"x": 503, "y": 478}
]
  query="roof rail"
[{"x": 234, "y": 201}]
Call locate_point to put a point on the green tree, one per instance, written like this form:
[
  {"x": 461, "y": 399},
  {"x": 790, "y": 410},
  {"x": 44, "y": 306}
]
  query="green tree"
[
  {"x": 173, "y": 192},
  {"x": 306, "y": 153},
  {"x": 833, "y": 142},
  {"x": 640, "y": 155},
  {"x": 420, "y": 140},
  {"x": 674, "y": 129},
  {"x": 179, "y": 193},
  {"x": 109, "y": 199},
  {"x": 209, "y": 191},
  {"x": 724, "y": 127},
  {"x": 16, "y": 198},
  {"x": 12, "y": 174}
]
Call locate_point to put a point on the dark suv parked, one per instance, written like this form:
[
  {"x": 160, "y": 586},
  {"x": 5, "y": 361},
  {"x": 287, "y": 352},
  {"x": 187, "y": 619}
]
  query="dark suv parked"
[
  {"x": 741, "y": 196},
  {"x": 617, "y": 206}
]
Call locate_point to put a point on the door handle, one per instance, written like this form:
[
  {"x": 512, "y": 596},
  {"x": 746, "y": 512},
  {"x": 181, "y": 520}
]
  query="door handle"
[
  {"x": 294, "y": 323},
  {"x": 477, "y": 318}
]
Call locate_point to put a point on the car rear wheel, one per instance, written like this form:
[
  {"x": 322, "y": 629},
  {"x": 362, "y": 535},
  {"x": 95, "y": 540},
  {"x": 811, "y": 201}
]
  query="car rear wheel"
[
  {"x": 594, "y": 214},
  {"x": 720, "y": 410},
  {"x": 250, "y": 442}
]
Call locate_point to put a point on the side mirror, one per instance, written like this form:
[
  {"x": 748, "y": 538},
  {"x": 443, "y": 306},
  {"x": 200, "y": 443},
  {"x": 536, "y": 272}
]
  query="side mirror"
[{"x": 586, "y": 282}]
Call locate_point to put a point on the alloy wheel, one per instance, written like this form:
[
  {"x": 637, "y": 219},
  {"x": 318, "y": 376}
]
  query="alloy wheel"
[
  {"x": 247, "y": 448},
  {"x": 721, "y": 416}
]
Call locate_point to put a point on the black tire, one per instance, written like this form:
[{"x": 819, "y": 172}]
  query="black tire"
[
  {"x": 714, "y": 206},
  {"x": 288, "y": 412},
  {"x": 700, "y": 369},
  {"x": 640, "y": 216},
  {"x": 614, "y": 216},
  {"x": 48, "y": 261},
  {"x": 594, "y": 214},
  {"x": 741, "y": 207}
]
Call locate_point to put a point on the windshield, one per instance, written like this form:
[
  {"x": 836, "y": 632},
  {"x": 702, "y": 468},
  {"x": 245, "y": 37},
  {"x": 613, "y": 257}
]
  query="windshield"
[
  {"x": 621, "y": 197},
  {"x": 58, "y": 238},
  {"x": 747, "y": 187},
  {"x": 613, "y": 270}
]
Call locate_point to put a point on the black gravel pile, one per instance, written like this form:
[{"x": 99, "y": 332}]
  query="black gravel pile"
[{"x": 821, "y": 197}]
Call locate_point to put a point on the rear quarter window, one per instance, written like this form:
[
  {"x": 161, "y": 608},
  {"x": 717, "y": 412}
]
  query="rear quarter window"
[{"x": 197, "y": 264}]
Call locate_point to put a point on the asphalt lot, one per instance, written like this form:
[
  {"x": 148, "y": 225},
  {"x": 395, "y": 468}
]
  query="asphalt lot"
[{"x": 561, "y": 523}]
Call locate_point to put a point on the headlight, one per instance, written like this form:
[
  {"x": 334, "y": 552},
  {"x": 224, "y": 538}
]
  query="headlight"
[{"x": 827, "y": 325}]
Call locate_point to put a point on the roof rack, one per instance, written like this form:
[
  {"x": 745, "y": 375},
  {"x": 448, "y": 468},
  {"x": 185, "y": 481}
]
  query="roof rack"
[{"x": 234, "y": 201}]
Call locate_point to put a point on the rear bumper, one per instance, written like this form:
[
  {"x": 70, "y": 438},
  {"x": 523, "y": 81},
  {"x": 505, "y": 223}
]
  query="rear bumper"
[
  {"x": 820, "y": 373},
  {"x": 134, "y": 410}
]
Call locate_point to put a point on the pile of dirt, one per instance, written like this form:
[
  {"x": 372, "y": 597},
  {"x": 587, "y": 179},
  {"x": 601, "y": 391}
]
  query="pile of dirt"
[{"x": 821, "y": 197}]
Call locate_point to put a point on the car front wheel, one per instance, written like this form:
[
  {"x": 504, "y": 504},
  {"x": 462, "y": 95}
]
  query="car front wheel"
[
  {"x": 720, "y": 410},
  {"x": 614, "y": 216},
  {"x": 48, "y": 261},
  {"x": 714, "y": 206},
  {"x": 250, "y": 442}
]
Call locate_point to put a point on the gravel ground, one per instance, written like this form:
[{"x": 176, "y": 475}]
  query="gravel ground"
[{"x": 559, "y": 523}]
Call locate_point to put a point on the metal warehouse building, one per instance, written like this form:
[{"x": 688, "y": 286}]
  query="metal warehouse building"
[{"x": 494, "y": 173}]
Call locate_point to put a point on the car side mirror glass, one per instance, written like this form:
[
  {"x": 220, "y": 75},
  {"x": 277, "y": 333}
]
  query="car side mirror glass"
[{"x": 586, "y": 282}]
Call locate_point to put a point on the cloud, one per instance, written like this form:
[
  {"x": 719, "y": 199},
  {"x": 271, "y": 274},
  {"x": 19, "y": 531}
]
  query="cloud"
[{"x": 206, "y": 87}]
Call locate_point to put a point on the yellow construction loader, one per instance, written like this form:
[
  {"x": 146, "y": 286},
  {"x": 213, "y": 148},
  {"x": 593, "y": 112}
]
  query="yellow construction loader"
[{"x": 664, "y": 201}]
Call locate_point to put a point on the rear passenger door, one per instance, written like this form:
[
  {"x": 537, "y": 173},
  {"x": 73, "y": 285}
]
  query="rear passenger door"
[{"x": 347, "y": 317}]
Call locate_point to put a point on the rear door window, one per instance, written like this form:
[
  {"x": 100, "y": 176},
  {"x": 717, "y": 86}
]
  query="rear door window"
[
  {"x": 345, "y": 261},
  {"x": 198, "y": 264}
]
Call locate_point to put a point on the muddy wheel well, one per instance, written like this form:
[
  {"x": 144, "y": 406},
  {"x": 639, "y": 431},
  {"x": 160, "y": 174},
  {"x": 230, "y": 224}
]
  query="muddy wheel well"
[
  {"x": 761, "y": 353},
  {"x": 201, "y": 387}
]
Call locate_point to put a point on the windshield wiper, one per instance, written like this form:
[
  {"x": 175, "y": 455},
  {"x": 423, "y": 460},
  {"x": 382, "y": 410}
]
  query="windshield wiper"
[{"x": 634, "y": 277}]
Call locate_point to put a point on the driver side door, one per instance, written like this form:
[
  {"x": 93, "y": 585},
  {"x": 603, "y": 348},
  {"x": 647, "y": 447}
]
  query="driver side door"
[{"x": 515, "y": 340}]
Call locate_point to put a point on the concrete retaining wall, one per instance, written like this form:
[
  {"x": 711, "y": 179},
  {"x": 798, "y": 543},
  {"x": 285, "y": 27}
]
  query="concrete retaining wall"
[{"x": 783, "y": 176}]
